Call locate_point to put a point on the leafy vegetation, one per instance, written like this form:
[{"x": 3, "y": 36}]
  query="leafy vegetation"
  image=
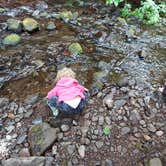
[{"x": 149, "y": 11}]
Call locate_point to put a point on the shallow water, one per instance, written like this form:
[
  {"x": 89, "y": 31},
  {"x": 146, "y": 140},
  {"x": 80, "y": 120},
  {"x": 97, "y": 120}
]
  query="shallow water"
[{"x": 30, "y": 67}]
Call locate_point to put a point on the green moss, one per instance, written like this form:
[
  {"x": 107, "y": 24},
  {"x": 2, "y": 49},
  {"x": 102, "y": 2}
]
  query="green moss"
[
  {"x": 66, "y": 15},
  {"x": 75, "y": 49},
  {"x": 12, "y": 39},
  {"x": 30, "y": 24}
]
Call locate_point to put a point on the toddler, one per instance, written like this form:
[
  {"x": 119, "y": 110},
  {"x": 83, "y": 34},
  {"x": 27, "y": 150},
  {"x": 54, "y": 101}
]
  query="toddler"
[{"x": 68, "y": 96}]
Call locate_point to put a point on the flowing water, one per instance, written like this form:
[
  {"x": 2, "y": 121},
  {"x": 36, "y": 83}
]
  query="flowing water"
[{"x": 110, "y": 50}]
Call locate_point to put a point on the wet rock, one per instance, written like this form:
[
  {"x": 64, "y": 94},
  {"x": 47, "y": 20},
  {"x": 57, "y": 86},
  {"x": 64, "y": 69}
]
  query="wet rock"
[
  {"x": 4, "y": 102},
  {"x": 14, "y": 25},
  {"x": 81, "y": 151},
  {"x": 108, "y": 162},
  {"x": 2, "y": 10},
  {"x": 51, "y": 26},
  {"x": 25, "y": 161},
  {"x": 155, "y": 162},
  {"x": 41, "y": 137},
  {"x": 30, "y": 24},
  {"x": 32, "y": 99},
  {"x": 21, "y": 139},
  {"x": 66, "y": 15},
  {"x": 65, "y": 127},
  {"x": 125, "y": 130},
  {"x": 12, "y": 39},
  {"x": 75, "y": 49},
  {"x": 37, "y": 121},
  {"x": 24, "y": 152}
]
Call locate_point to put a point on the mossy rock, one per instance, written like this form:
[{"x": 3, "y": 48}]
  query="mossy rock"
[
  {"x": 41, "y": 137},
  {"x": 30, "y": 24},
  {"x": 66, "y": 15},
  {"x": 12, "y": 39},
  {"x": 122, "y": 21},
  {"x": 2, "y": 10},
  {"x": 14, "y": 25},
  {"x": 51, "y": 26},
  {"x": 75, "y": 49}
]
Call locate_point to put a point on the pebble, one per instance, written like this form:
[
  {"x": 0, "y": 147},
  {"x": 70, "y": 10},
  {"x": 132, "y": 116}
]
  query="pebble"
[
  {"x": 21, "y": 139},
  {"x": 151, "y": 128},
  {"x": 159, "y": 133},
  {"x": 108, "y": 162},
  {"x": 71, "y": 149},
  {"x": 101, "y": 120},
  {"x": 99, "y": 144},
  {"x": 24, "y": 152},
  {"x": 155, "y": 162},
  {"x": 125, "y": 130},
  {"x": 81, "y": 151}
]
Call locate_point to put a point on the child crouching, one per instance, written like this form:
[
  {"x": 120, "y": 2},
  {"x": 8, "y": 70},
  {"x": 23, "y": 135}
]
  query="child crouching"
[{"x": 68, "y": 96}]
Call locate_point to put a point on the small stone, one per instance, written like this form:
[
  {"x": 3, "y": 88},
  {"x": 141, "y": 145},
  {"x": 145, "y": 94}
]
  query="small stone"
[
  {"x": 28, "y": 113},
  {"x": 119, "y": 103},
  {"x": 155, "y": 162},
  {"x": 37, "y": 121},
  {"x": 71, "y": 149},
  {"x": 159, "y": 133},
  {"x": 146, "y": 137},
  {"x": 125, "y": 130},
  {"x": 108, "y": 162},
  {"x": 85, "y": 141},
  {"x": 21, "y": 139},
  {"x": 51, "y": 26},
  {"x": 101, "y": 120},
  {"x": 54, "y": 150},
  {"x": 99, "y": 144},
  {"x": 151, "y": 128},
  {"x": 81, "y": 151},
  {"x": 65, "y": 127},
  {"x": 24, "y": 152},
  {"x": 12, "y": 39}
]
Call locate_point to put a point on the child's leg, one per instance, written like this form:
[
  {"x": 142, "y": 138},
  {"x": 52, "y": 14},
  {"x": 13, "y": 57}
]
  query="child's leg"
[{"x": 52, "y": 103}]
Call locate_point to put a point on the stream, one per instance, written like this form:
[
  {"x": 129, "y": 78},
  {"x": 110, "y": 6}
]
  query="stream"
[{"x": 114, "y": 50}]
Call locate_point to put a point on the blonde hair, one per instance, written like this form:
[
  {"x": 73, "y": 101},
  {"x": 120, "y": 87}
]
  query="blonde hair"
[{"x": 65, "y": 72}]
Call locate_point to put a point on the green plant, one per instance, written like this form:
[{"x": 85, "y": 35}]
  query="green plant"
[
  {"x": 126, "y": 10},
  {"x": 148, "y": 12},
  {"x": 115, "y": 2}
]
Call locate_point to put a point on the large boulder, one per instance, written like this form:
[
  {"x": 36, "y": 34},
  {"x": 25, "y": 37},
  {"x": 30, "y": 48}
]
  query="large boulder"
[
  {"x": 30, "y": 24},
  {"x": 14, "y": 25},
  {"x": 28, "y": 161},
  {"x": 12, "y": 39},
  {"x": 41, "y": 137}
]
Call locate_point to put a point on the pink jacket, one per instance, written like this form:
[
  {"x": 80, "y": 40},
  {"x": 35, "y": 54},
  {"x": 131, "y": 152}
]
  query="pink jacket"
[{"x": 66, "y": 89}]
